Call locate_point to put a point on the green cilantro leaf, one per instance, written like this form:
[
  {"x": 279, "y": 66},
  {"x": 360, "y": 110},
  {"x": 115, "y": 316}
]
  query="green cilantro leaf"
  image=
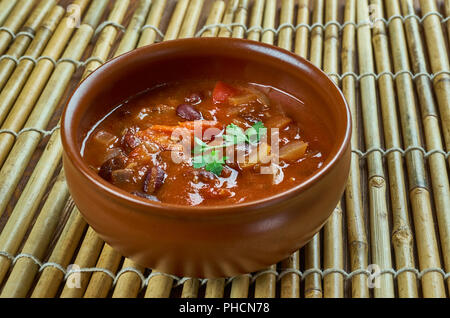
[
  {"x": 214, "y": 167},
  {"x": 254, "y": 133},
  {"x": 234, "y": 135},
  {"x": 207, "y": 156}
]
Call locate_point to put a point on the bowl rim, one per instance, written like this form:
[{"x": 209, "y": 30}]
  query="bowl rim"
[{"x": 167, "y": 209}]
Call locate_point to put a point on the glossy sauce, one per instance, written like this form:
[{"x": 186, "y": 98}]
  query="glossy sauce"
[{"x": 131, "y": 147}]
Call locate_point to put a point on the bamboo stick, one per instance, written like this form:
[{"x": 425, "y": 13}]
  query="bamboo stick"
[
  {"x": 357, "y": 239},
  {"x": 241, "y": 18},
  {"x": 239, "y": 286},
  {"x": 6, "y": 7},
  {"x": 266, "y": 284},
  {"x": 131, "y": 36},
  {"x": 100, "y": 283},
  {"x": 214, "y": 17},
  {"x": 333, "y": 239},
  {"x": 215, "y": 288},
  {"x": 14, "y": 21},
  {"x": 22, "y": 41},
  {"x": 23, "y": 69},
  {"x": 129, "y": 283},
  {"x": 51, "y": 277},
  {"x": 22, "y": 106},
  {"x": 430, "y": 120},
  {"x": 256, "y": 20},
  {"x": 290, "y": 282},
  {"x": 437, "y": 52},
  {"x": 191, "y": 19},
  {"x": 402, "y": 236},
  {"x": 159, "y": 286},
  {"x": 22, "y": 275},
  {"x": 379, "y": 214},
  {"x": 148, "y": 35},
  {"x": 190, "y": 288},
  {"x": 270, "y": 11},
  {"x": 175, "y": 22},
  {"x": 432, "y": 283},
  {"x": 286, "y": 16},
  {"x": 302, "y": 33},
  {"x": 447, "y": 15},
  {"x": 86, "y": 258},
  {"x": 313, "y": 283},
  {"x": 228, "y": 18}
]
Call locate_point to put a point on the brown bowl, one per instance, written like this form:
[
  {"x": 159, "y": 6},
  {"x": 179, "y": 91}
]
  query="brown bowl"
[{"x": 210, "y": 241}]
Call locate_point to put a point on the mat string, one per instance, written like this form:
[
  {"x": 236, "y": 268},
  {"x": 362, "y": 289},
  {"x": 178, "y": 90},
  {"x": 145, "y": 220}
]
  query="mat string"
[
  {"x": 247, "y": 30},
  {"x": 252, "y": 277},
  {"x": 360, "y": 153},
  {"x": 358, "y": 77}
]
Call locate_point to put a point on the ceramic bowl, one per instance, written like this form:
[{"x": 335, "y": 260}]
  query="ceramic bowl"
[{"x": 210, "y": 241}]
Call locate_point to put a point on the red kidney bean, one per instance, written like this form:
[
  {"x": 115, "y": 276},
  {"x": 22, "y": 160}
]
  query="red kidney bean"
[
  {"x": 154, "y": 180},
  {"x": 188, "y": 112},
  {"x": 205, "y": 176},
  {"x": 110, "y": 165},
  {"x": 130, "y": 141}
]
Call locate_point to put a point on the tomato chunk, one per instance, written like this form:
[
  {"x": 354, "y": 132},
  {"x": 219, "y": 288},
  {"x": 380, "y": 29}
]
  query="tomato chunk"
[{"x": 222, "y": 92}]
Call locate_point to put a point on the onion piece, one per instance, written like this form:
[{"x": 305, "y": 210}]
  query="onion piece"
[
  {"x": 258, "y": 155},
  {"x": 278, "y": 121},
  {"x": 293, "y": 151}
]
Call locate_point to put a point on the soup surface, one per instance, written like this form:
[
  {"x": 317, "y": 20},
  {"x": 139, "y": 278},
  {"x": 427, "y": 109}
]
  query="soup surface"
[{"x": 207, "y": 143}]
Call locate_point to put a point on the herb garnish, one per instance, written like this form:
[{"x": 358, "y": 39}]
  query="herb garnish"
[{"x": 207, "y": 156}]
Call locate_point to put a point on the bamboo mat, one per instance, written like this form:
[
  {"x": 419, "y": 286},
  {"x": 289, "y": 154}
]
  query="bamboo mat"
[{"x": 388, "y": 237}]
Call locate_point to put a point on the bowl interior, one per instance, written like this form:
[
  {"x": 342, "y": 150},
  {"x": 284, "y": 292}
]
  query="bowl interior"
[{"x": 224, "y": 59}]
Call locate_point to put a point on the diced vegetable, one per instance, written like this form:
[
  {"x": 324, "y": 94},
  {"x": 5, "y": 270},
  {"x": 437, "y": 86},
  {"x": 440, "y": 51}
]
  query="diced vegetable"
[
  {"x": 104, "y": 138},
  {"x": 260, "y": 96},
  {"x": 242, "y": 99},
  {"x": 258, "y": 155},
  {"x": 293, "y": 151},
  {"x": 112, "y": 152},
  {"x": 278, "y": 121},
  {"x": 122, "y": 175},
  {"x": 222, "y": 92}
]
